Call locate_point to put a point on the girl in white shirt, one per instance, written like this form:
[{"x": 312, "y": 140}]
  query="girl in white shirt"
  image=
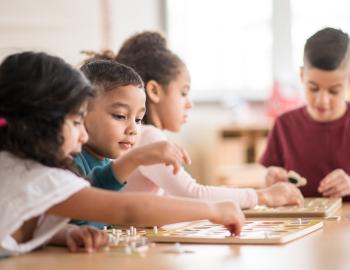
[
  {"x": 167, "y": 84},
  {"x": 43, "y": 106}
]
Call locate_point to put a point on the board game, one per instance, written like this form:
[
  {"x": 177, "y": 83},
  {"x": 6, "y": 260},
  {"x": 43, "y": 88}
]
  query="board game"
[
  {"x": 253, "y": 232},
  {"x": 313, "y": 207}
]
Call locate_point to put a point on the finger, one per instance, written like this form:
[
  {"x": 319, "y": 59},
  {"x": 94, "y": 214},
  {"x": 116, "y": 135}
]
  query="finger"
[
  {"x": 335, "y": 181},
  {"x": 176, "y": 167},
  {"x": 185, "y": 156},
  {"x": 329, "y": 178},
  {"x": 95, "y": 235},
  {"x": 282, "y": 175},
  {"x": 87, "y": 240},
  {"x": 334, "y": 191},
  {"x": 342, "y": 193},
  {"x": 71, "y": 244},
  {"x": 100, "y": 239}
]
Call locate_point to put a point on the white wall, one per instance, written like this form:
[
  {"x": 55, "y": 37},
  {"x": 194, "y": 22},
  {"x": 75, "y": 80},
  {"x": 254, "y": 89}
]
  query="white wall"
[
  {"x": 65, "y": 27},
  {"x": 133, "y": 16}
]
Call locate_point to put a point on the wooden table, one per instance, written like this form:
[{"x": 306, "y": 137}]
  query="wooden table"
[{"x": 326, "y": 249}]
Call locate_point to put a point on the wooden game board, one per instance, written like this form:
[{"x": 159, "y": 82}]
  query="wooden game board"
[
  {"x": 313, "y": 207},
  {"x": 253, "y": 232}
]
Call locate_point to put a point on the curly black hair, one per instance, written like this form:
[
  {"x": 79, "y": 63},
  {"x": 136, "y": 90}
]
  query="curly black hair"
[{"x": 37, "y": 92}]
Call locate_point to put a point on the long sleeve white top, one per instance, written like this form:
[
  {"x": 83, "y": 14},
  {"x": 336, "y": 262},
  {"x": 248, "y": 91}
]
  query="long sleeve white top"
[{"x": 159, "y": 178}]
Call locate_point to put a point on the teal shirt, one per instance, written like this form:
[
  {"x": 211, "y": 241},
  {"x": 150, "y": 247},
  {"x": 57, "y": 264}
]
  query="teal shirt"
[{"x": 101, "y": 175}]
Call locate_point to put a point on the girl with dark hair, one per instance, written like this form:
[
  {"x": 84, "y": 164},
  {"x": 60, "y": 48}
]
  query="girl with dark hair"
[
  {"x": 167, "y": 85},
  {"x": 43, "y": 107}
]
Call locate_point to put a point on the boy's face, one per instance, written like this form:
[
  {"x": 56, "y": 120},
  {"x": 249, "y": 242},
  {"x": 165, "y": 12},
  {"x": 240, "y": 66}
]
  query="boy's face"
[
  {"x": 325, "y": 92},
  {"x": 113, "y": 121},
  {"x": 175, "y": 102},
  {"x": 74, "y": 133}
]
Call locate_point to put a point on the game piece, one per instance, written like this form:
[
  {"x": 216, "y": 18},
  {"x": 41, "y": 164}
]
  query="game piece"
[
  {"x": 253, "y": 232},
  {"x": 313, "y": 207},
  {"x": 296, "y": 179},
  {"x": 155, "y": 229},
  {"x": 334, "y": 218}
]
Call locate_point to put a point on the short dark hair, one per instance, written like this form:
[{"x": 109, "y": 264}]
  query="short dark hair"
[
  {"x": 106, "y": 75},
  {"x": 326, "y": 49},
  {"x": 37, "y": 92}
]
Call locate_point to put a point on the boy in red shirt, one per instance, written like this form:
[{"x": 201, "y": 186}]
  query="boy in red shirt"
[{"x": 314, "y": 140}]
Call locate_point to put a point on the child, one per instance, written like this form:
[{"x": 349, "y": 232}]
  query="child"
[
  {"x": 167, "y": 85},
  {"x": 43, "y": 106},
  {"x": 314, "y": 140},
  {"x": 113, "y": 122}
]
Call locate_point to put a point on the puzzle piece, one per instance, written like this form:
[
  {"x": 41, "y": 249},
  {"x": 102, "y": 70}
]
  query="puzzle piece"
[{"x": 296, "y": 179}]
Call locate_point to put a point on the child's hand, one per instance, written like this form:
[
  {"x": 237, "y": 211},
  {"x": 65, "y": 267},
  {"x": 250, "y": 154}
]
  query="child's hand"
[
  {"x": 336, "y": 184},
  {"x": 88, "y": 237},
  {"x": 275, "y": 174},
  {"x": 280, "y": 194},
  {"x": 228, "y": 214},
  {"x": 164, "y": 152}
]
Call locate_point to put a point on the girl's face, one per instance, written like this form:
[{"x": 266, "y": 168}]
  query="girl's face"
[
  {"x": 325, "y": 92},
  {"x": 74, "y": 133},
  {"x": 113, "y": 121},
  {"x": 174, "y": 102}
]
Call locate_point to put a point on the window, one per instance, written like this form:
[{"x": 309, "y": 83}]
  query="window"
[
  {"x": 227, "y": 46},
  {"x": 310, "y": 16}
]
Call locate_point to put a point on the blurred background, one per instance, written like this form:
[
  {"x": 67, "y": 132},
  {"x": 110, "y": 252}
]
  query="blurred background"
[{"x": 243, "y": 56}]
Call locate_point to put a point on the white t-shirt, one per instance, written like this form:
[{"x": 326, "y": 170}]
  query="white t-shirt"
[
  {"x": 160, "y": 179},
  {"x": 28, "y": 189}
]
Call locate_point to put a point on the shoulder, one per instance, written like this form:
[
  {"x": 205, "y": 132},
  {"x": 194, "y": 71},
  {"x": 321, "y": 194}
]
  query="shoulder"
[
  {"x": 291, "y": 115},
  {"x": 25, "y": 173},
  {"x": 151, "y": 134},
  {"x": 291, "y": 118}
]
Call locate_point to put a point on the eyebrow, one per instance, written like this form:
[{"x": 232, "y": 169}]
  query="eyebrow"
[
  {"x": 332, "y": 86},
  {"x": 124, "y": 105},
  {"x": 82, "y": 114}
]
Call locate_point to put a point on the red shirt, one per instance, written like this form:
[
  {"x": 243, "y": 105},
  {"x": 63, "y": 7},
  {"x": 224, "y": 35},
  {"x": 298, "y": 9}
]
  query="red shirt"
[{"x": 312, "y": 149}]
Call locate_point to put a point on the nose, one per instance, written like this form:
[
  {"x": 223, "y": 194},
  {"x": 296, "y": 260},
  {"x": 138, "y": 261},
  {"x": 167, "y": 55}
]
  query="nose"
[
  {"x": 189, "y": 104},
  {"x": 83, "y": 135},
  {"x": 322, "y": 98},
  {"x": 131, "y": 128}
]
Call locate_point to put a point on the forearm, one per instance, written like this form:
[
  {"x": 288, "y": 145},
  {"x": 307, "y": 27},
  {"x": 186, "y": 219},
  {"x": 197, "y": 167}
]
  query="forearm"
[
  {"x": 131, "y": 208},
  {"x": 157, "y": 210},
  {"x": 183, "y": 185}
]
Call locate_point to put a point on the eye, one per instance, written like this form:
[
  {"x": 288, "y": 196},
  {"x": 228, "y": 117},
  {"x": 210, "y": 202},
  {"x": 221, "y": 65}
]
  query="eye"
[
  {"x": 313, "y": 89},
  {"x": 77, "y": 123},
  {"x": 333, "y": 92},
  {"x": 139, "y": 121},
  {"x": 119, "y": 116}
]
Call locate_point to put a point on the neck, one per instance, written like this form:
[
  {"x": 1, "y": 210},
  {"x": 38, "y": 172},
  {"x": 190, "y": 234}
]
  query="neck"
[
  {"x": 153, "y": 118},
  {"x": 90, "y": 151}
]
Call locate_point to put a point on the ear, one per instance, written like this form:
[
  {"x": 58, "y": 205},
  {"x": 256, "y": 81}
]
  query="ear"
[
  {"x": 153, "y": 91},
  {"x": 301, "y": 73}
]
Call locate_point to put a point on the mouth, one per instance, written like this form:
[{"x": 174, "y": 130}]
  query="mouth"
[
  {"x": 125, "y": 145},
  {"x": 321, "y": 110}
]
